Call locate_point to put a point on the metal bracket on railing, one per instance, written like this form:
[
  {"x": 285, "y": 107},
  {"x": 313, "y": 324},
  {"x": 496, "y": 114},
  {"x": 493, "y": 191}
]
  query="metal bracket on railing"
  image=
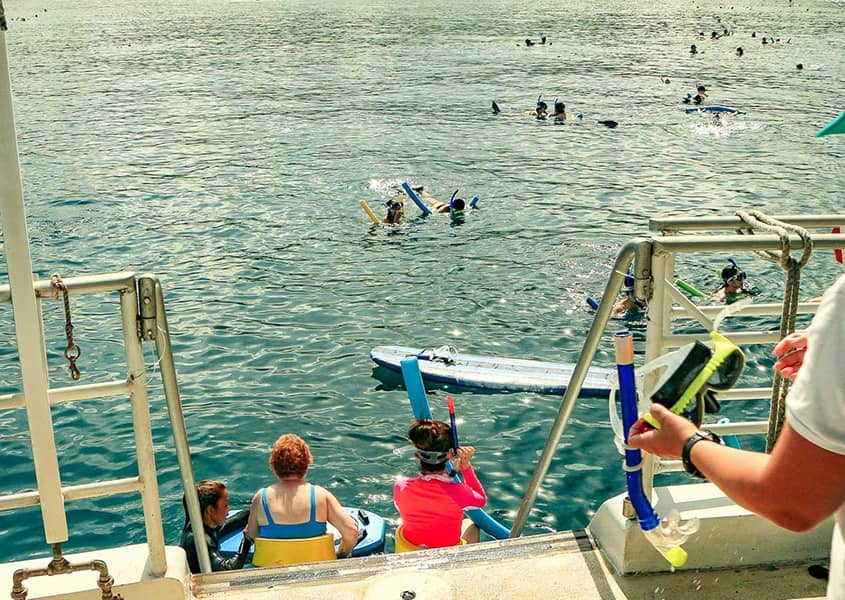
[
  {"x": 61, "y": 566},
  {"x": 147, "y": 307}
]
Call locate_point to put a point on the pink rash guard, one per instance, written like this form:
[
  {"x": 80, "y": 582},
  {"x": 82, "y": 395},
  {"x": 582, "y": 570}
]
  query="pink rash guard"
[{"x": 432, "y": 506}]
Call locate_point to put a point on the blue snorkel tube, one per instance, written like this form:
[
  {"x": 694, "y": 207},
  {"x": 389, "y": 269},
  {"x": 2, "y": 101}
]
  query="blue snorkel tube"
[{"x": 666, "y": 539}]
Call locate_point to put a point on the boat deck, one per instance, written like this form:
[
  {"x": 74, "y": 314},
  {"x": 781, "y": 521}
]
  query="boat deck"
[{"x": 560, "y": 565}]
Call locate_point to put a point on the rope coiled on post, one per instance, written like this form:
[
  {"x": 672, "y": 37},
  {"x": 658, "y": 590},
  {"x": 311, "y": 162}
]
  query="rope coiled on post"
[{"x": 792, "y": 266}]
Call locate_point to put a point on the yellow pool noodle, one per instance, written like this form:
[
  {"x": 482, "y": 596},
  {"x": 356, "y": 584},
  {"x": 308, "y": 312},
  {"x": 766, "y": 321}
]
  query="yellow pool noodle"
[{"x": 369, "y": 211}]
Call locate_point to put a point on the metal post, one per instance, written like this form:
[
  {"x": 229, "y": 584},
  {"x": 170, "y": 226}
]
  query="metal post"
[
  {"x": 28, "y": 325},
  {"x": 143, "y": 433},
  {"x": 623, "y": 261},
  {"x": 150, "y": 295}
]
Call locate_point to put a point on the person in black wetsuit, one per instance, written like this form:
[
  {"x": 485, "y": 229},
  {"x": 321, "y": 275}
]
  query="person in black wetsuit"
[{"x": 214, "y": 506}]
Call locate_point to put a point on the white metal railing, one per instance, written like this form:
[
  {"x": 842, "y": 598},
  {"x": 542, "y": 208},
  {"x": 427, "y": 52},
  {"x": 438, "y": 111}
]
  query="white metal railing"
[{"x": 134, "y": 385}]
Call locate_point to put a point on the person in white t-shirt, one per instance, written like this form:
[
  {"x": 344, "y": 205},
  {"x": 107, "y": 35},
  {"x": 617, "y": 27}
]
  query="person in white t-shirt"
[{"x": 802, "y": 482}]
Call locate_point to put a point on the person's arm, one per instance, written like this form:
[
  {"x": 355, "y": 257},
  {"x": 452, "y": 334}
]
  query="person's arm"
[
  {"x": 251, "y": 530},
  {"x": 343, "y": 522},
  {"x": 796, "y": 487},
  {"x": 472, "y": 493},
  {"x": 220, "y": 562},
  {"x": 477, "y": 496}
]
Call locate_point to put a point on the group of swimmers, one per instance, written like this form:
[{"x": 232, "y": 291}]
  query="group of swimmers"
[
  {"x": 734, "y": 287},
  {"x": 542, "y": 42},
  {"x": 455, "y": 208},
  {"x": 558, "y": 114},
  {"x": 430, "y": 505}
]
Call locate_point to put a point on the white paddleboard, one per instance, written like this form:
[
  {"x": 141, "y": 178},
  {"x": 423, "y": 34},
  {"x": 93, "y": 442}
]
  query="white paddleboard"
[{"x": 495, "y": 373}]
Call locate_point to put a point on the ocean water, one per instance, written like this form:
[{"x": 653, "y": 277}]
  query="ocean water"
[{"x": 224, "y": 146}]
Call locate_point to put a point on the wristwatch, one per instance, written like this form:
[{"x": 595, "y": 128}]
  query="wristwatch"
[{"x": 698, "y": 436}]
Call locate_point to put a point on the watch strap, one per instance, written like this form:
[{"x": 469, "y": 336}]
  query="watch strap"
[{"x": 698, "y": 436}]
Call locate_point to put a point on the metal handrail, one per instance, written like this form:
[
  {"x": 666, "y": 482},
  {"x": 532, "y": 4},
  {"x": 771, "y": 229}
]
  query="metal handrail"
[{"x": 617, "y": 276}]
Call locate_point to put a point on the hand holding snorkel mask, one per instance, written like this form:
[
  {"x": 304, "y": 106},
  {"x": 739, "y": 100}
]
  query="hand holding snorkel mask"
[{"x": 694, "y": 373}]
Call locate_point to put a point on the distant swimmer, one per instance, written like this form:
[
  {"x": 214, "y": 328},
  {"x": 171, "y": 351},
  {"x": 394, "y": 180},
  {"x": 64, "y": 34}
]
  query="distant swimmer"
[
  {"x": 528, "y": 42},
  {"x": 560, "y": 113},
  {"x": 628, "y": 306},
  {"x": 395, "y": 211},
  {"x": 665, "y": 80},
  {"x": 700, "y": 96},
  {"x": 734, "y": 285},
  {"x": 800, "y": 66},
  {"x": 740, "y": 51},
  {"x": 495, "y": 108},
  {"x": 693, "y": 49},
  {"x": 540, "y": 112},
  {"x": 542, "y": 41}
]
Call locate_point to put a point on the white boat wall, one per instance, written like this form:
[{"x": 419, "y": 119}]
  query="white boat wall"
[{"x": 734, "y": 554}]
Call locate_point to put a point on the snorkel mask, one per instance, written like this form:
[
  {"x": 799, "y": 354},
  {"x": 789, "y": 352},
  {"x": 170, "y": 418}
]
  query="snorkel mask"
[
  {"x": 456, "y": 206},
  {"x": 732, "y": 273},
  {"x": 696, "y": 372}
]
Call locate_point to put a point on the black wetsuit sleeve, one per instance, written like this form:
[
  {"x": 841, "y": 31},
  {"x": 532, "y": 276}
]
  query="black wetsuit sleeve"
[
  {"x": 218, "y": 561},
  {"x": 221, "y": 563}
]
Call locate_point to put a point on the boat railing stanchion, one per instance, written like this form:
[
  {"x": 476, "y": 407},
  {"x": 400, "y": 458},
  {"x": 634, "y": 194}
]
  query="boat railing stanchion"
[
  {"x": 614, "y": 282},
  {"x": 153, "y": 324}
]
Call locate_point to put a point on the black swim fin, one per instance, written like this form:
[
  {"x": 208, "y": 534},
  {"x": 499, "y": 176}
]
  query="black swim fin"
[
  {"x": 495, "y": 107},
  {"x": 609, "y": 123}
]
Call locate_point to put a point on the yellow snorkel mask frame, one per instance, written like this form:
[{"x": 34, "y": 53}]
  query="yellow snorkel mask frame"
[{"x": 720, "y": 371}]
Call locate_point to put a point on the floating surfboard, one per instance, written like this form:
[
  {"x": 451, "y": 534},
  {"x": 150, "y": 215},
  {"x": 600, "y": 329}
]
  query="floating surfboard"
[
  {"x": 494, "y": 373},
  {"x": 371, "y": 529},
  {"x": 713, "y": 108}
]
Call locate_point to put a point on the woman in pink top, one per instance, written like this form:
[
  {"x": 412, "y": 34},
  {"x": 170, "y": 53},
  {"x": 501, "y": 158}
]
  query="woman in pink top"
[{"x": 432, "y": 504}]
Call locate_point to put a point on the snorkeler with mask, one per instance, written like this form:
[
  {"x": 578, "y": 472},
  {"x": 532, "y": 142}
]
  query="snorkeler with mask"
[{"x": 734, "y": 284}]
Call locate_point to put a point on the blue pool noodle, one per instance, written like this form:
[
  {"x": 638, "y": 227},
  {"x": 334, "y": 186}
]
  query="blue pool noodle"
[
  {"x": 416, "y": 199},
  {"x": 422, "y": 410},
  {"x": 414, "y": 384},
  {"x": 593, "y": 303}
]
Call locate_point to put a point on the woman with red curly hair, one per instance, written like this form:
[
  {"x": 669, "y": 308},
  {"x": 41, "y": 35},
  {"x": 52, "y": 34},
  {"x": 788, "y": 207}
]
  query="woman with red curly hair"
[{"x": 292, "y": 508}]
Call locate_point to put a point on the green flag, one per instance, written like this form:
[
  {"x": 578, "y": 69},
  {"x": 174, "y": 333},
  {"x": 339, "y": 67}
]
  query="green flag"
[{"x": 835, "y": 126}]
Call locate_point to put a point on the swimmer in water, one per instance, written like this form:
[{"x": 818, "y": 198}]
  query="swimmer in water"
[
  {"x": 740, "y": 51},
  {"x": 560, "y": 113},
  {"x": 540, "y": 111},
  {"x": 699, "y": 98},
  {"x": 495, "y": 108},
  {"x": 395, "y": 211},
  {"x": 734, "y": 284},
  {"x": 693, "y": 49},
  {"x": 627, "y": 307}
]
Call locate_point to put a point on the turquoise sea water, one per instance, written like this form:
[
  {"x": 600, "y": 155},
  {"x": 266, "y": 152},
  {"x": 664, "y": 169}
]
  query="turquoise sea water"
[{"x": 224, "y": 146}]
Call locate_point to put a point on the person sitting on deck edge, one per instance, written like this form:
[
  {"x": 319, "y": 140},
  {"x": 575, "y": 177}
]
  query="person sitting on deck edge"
[
  {"x": 292, "y": 508},
  {"x": 431, "y": 504}
]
